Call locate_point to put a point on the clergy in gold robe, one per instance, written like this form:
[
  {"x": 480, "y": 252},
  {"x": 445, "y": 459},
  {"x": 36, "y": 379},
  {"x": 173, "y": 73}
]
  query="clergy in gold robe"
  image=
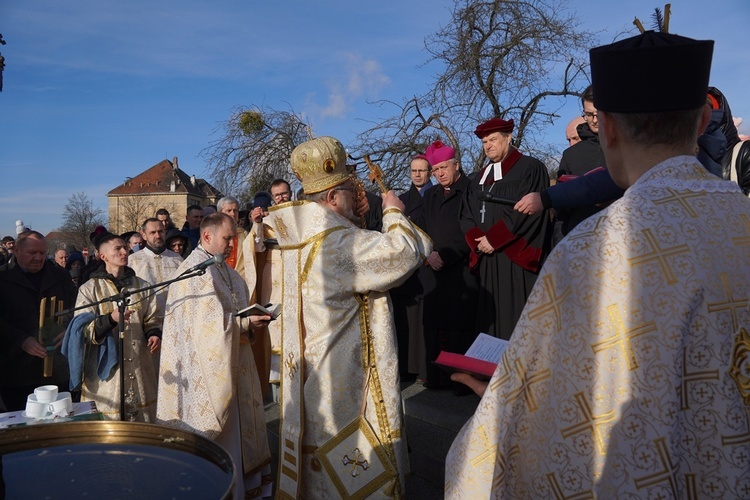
[
  {"x": 142, "y": 330},
  {"x": 342, "y": 432},
  {"x": 155, "y": 263},
  {"x": 627, "y": 374},
  {"x": 263, "y": 276},
  {"x": 207, "y": 380}
]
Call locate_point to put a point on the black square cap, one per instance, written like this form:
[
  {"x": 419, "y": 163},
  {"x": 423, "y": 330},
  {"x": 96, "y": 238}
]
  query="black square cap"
[{"x": 651, "y": 72}]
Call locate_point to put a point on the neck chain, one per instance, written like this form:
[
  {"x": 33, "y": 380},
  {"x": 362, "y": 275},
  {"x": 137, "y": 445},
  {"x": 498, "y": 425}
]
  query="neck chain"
[{"x": 221, "y": 268}]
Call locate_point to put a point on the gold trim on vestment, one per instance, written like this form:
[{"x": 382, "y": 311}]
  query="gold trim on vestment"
[
  {"x": 740, "y": 361},
  {"x": 369, "y": 362},
  {"x": 361, "y": 425}
]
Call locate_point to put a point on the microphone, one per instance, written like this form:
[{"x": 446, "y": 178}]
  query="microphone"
[
  {"x": 491, "y": 198},
  {"x": 216, "y": 259}
]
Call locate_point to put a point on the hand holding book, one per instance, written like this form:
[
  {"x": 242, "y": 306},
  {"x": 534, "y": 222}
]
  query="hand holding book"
[{"x": 256, "y": 309}]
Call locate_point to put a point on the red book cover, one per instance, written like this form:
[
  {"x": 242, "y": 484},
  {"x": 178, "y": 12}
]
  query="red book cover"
[{"x": 459, "y": 362}]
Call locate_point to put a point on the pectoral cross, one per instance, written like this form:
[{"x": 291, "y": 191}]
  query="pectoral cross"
[{"x": 484, "y": 209}]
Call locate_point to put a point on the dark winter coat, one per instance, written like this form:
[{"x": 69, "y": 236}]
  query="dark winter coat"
[
  {"x": 742, "y": 166},
  {"x": 19, "y": 319},
  {"x": 451, "y": 293}
]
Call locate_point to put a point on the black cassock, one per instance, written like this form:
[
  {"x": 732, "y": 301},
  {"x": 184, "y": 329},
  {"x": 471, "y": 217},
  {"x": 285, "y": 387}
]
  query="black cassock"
[{"x": 521, "y": 242}]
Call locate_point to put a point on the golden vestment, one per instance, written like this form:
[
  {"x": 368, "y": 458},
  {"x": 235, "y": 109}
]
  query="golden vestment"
[
  {"x": 264, "y": 263},
  {"x": 138, "y": 361},
  {"x": 236, "y": 259},
  {"x": 155, "y": 268},
  {"x": 338, "y": 346},
  {"x": 627, "y": 374},
  {"x": 207, "y": 363}
]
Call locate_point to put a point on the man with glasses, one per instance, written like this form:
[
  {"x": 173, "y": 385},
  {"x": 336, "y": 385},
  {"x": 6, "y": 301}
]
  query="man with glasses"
[
  {"x": 339, "y": 376},
  {"x": 407, "y": 298},
  {"x": 578, "y": 160},
  {"x": 281, "y": 191},
  {"x": 582, "y": 158}
]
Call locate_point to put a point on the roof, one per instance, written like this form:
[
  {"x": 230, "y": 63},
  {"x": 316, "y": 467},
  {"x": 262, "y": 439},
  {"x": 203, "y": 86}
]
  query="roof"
[{"x": 163, "y": 178}]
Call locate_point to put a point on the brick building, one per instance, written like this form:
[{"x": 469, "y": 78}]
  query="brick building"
[{"x": 162, "y": 186}]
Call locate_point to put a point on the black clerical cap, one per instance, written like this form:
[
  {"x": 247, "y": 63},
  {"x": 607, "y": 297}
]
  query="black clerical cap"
[
  {"x": 104, "y": 237},
  {"x": 651, "y": 72}
]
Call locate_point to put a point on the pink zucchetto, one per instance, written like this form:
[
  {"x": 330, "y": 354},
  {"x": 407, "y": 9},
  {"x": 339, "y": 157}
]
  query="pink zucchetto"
[{"x": 438, "y": 152}]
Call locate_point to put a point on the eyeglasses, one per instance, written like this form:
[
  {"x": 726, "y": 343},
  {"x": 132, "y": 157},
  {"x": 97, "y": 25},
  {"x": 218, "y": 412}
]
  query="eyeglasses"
[
  {"x": 350, "y": 189},
  {"x": 589, "y": 115},
  {"x": 421, "y": 171},
  {"x": 279, "y": 195}
]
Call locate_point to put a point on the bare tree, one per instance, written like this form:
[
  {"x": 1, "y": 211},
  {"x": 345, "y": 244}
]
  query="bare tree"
[
  {"x": 501, "y": 58},
  {"x": 133, "y": 210},
  {"x": 254, "y": 149},
  {"x": 80, "y": 218}
]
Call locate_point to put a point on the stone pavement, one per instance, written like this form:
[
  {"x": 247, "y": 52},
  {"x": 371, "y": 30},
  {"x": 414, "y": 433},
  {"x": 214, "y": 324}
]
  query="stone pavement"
[{"x": 433, "y": 418}]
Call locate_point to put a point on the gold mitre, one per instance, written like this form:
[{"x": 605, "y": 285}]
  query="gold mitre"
[{"x": 320, "y": 164}]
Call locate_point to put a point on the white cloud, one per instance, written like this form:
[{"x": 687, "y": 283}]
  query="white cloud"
[{"x": 360, "y": 78}]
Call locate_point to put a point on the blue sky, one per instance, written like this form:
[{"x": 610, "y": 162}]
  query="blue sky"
[{"x": 99, "y": 90}]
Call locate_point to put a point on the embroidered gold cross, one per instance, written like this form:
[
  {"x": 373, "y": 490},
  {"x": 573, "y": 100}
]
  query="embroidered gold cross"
[
  {"x": 590, "y": 422},
  {"x": 667, "y": 472},
  {"x": 692, "y": 377},
  {"x": 680, "y": 199},
  {"x": 732, "y": 304},
  {"x": 392, "y": 260},
  {"x": 501, "y": 466},
  {"x": 291, "y": 365},
  {"x": 526, "y": 381},
  {"x": 743, "y": 240},
  {"x": 356, "y": 462},
  {"x": 623, "y": 337},
  {"x": 558, "y": 494},
  {"x": 490, "y": 448},
  {"x": 554, "y": 303},
  {"x": 660, "y": 255},
  {"x": 600, "y": 221},
  {"x": 502, "y": 379},
  {"x": 737, "y": 439}
]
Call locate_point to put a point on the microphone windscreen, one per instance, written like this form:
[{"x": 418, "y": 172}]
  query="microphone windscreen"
[{"x": 219, "y": 258}]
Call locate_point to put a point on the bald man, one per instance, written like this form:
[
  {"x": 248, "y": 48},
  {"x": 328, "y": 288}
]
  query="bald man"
[{"x": 571, "y": 131}]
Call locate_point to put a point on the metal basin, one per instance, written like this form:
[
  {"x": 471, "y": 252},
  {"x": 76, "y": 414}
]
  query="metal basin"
[{"x": 111, "y": 460}]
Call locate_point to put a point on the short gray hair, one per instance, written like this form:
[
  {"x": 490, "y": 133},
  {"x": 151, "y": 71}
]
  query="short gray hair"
[{"x": 227, "y": 200}]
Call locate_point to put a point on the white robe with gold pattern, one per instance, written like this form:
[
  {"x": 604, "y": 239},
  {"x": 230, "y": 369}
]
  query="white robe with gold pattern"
[
  {"x": 207, "y": 363},
  {"x": 627, "y": 374},
  {"x": 137, "y": 356},
  {"x": 337, "y": 321}
]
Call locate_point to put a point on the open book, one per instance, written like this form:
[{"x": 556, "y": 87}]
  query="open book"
[
  {"x": 481, "y": 358},
  {"x": 272, "y": 310}
]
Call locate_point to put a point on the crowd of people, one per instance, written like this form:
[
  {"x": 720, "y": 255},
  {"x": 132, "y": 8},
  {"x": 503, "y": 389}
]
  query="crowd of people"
[{"x": 623, "y": 290}]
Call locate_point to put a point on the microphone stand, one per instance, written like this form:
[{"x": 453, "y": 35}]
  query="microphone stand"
[{"x": 121, "y": 299}]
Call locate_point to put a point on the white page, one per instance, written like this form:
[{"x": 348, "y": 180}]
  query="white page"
[{"x": 487, "y": 348}]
